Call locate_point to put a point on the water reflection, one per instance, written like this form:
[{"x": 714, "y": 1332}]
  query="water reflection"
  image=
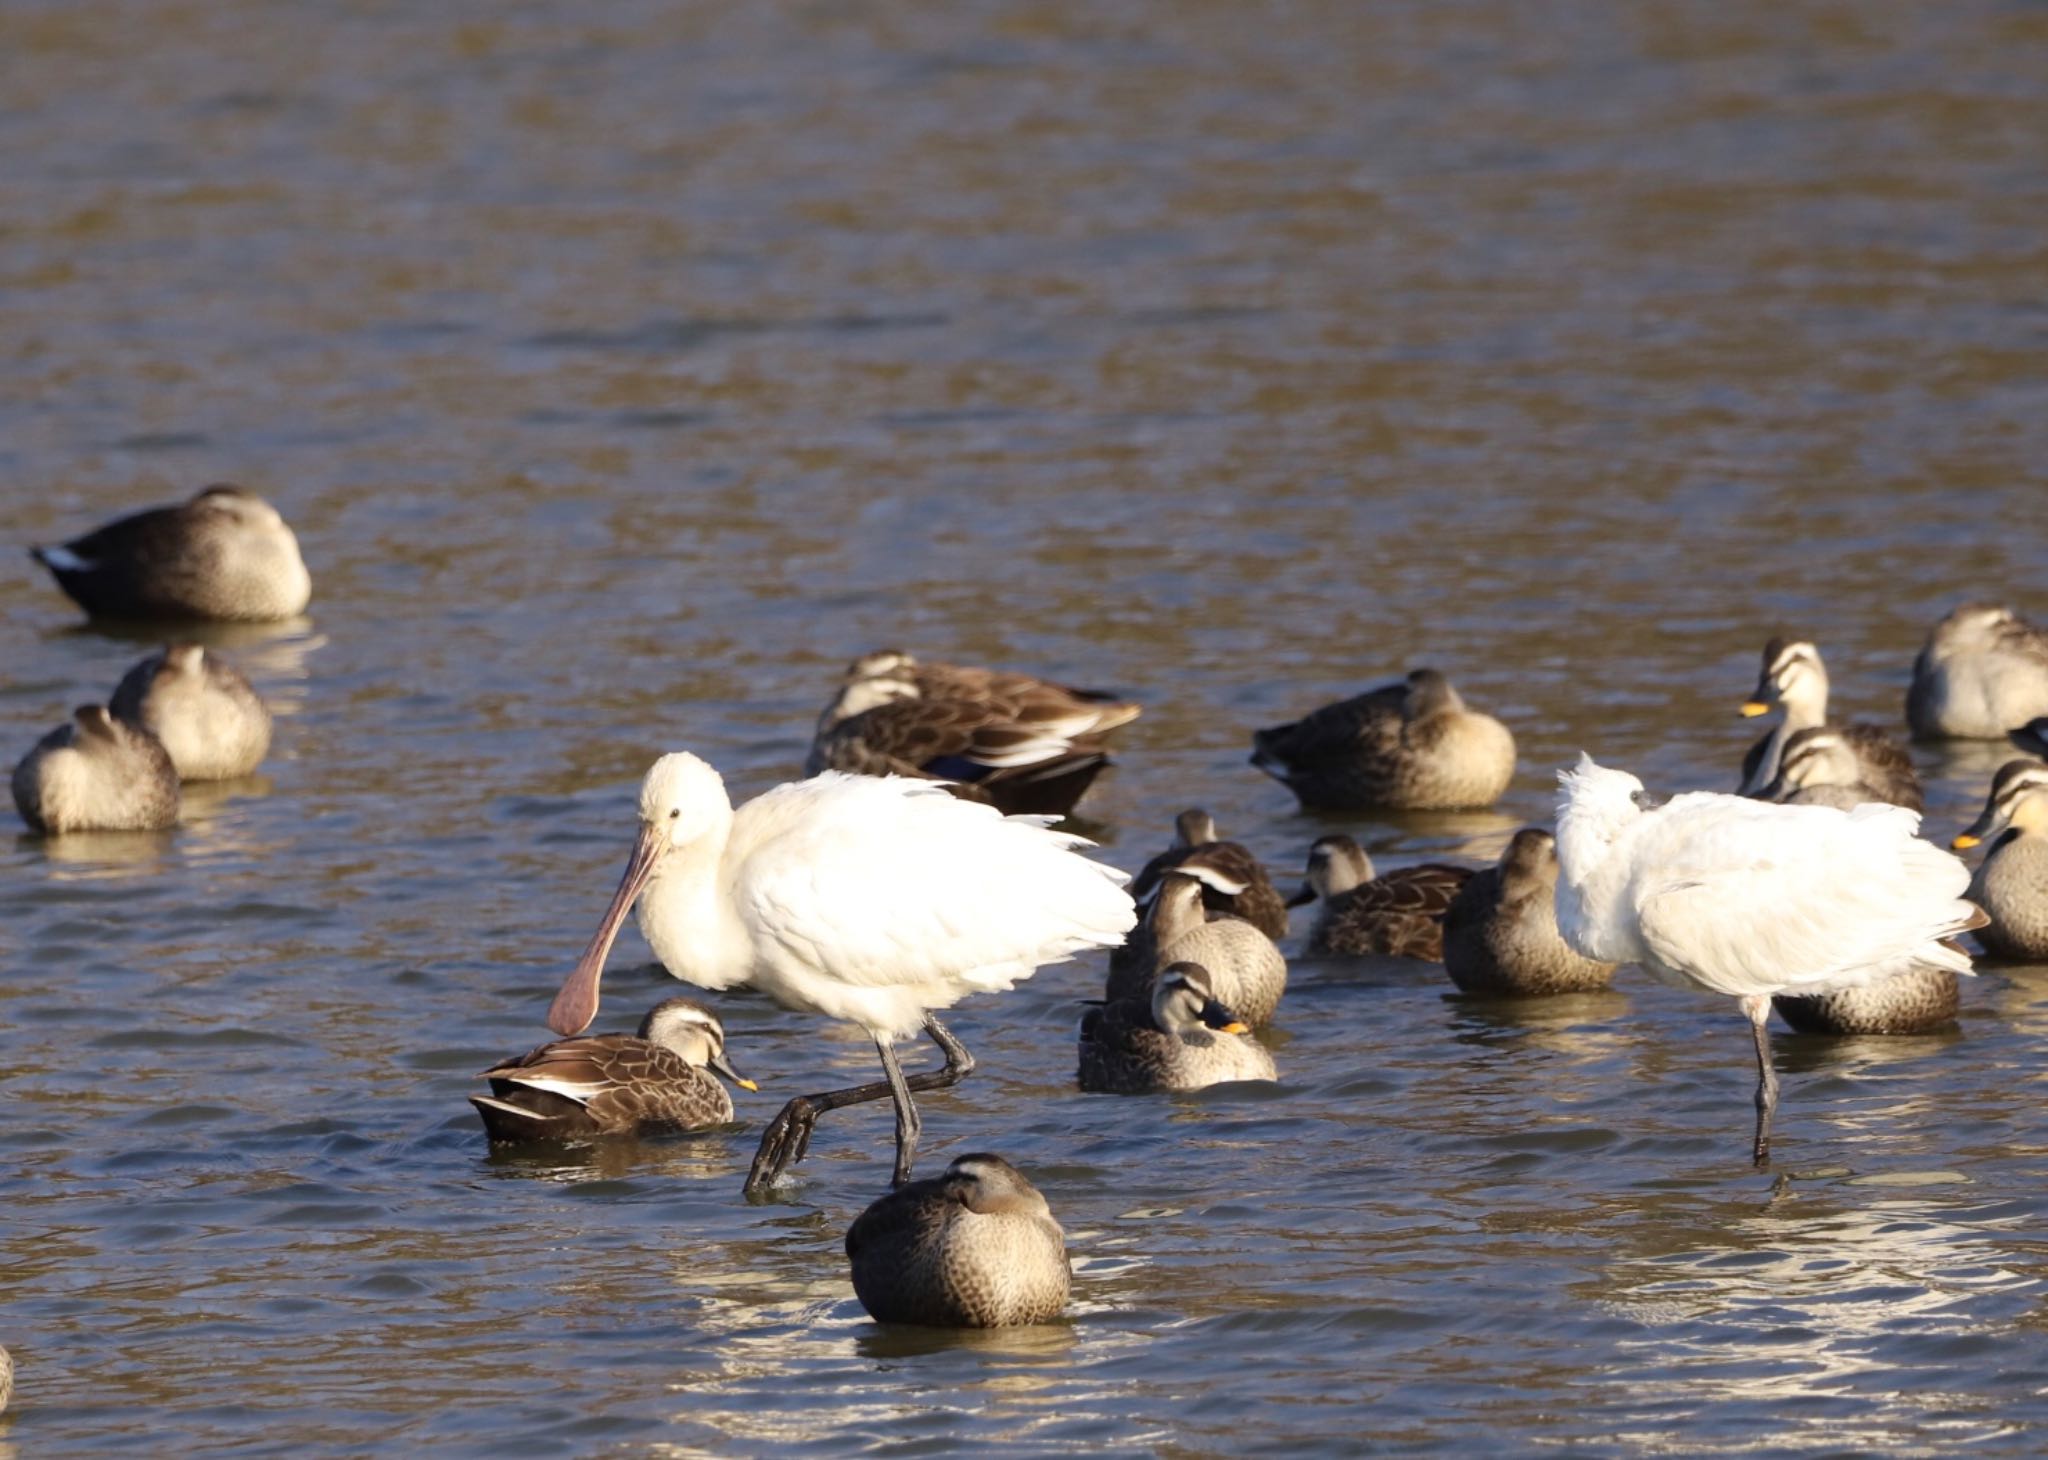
[
  {"x": 86, "y": 856},
  {"x": 1784, "y": 1304}
]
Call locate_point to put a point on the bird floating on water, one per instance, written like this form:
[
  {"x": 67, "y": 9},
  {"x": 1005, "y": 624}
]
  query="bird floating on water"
[
  {"x": 209, "y": 719},
  {"x": 2011, "y": 883},
  {"x": 1750, "y": 899},
  {"x": 1400, "y": 913},
  {"x": 883, "y": 727},
  {"x": 1034, "y": 697},
  {"x": 1179, "y": 1038},
  {"x": 1232, "y": 879},
  {"x": 1982, "y": 672},
  {"x": 872, "y": 900},
  {"x": 1025, "y": 746},
  {"x": 977, "y": 1247},
  {"x": 1821, "y": 767},
  {"x": 225, "y": 555},
  {"x": 1794, "y": 682},
  {"x": 662, "y": 1079},
  {"x": 1412, "y": 745},
  {"x": 96, "y": 774},
  {"x": 1247, "y": 971},
  {"x": 1500, "y": 934}
]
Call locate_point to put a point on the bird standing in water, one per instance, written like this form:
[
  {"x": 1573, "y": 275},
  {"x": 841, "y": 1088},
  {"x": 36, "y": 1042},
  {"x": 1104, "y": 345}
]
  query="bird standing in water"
[
  {"x": 873, "y": 900},
  {"x": 1751, "y": 899}
]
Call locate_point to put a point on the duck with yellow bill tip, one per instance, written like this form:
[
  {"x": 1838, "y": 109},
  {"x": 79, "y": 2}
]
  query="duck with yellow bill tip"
[
  {"x": 2011, "y": 883},
  {"x": 1180, "y": 1038},
  {"x": 1794, "y": 682}
]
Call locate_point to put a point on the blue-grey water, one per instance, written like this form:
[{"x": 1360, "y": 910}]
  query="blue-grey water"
[{"x": 627, "y": 369}]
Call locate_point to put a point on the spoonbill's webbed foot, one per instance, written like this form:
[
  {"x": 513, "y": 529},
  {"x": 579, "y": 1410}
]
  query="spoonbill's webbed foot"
[
  {"x": 788, "y": 1137},
  {"x": 783, "y": 1144}
]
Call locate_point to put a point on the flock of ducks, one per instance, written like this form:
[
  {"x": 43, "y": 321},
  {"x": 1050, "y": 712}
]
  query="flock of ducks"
[{"x": 918, "y": 863}]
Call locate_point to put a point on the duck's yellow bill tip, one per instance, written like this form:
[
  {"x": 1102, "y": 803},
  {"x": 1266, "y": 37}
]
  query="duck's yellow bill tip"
[
  {"x": 747, "y": 1084},
  {"x": 1963, "y": 842},
  {"x": 1237, "y": 1026},
  {"x": 1752, "y": 708}
]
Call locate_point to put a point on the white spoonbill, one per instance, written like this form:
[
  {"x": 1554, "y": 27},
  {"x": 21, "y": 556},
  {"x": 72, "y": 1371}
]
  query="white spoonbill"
[
  {"x": 870, "y": 899},
  {"x": 1751, "y": 899}
]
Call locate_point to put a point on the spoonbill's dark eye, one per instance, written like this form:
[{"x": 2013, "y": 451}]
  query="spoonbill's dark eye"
[{"x": 675, "y": 813}]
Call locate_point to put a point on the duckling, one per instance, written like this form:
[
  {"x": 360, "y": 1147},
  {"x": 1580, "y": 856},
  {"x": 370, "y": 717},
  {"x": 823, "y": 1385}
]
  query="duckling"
[
  {"x": 96, "y": 774},
  {"x": 1500, "y": 932},
  {"x": 1024, "y": 756},
  {"x": 6, "y": 1377},
  {"x": 210, "y": 721},
  {"x": 1409, "y": 746},
  {"x": 2011, "y": 883},
  {"x": 657, "y": 1081},
  {"x": 1983, "y": 670},
  {"x": 1795, "y": 683},
  {"x": 1401, "y": 913},
  {"x": 1015, "y": 696},
  {"x": 224, "y": 555},
  {"x": 1820, "y": 767},
  {"x": 1179, "y": 1039},
  {"x": 1247, "y": 971},
  {"x": 1232, "y": 880},
  {"x": 976, "y": 1247}
]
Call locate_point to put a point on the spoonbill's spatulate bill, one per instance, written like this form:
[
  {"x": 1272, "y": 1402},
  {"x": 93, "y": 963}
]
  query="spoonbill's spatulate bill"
[
  {"x": 1750, "y": 899},
  {"x": 874, "y": 900}
]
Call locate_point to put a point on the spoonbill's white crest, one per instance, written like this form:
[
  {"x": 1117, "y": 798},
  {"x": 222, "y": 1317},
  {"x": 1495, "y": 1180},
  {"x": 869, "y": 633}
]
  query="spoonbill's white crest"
[
  {"x": 1751, "y": 899},
  {"x": 875, "y": 900}
]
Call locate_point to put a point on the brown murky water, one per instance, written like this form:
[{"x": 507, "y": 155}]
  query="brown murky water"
[{"x": 626, "y": 370}]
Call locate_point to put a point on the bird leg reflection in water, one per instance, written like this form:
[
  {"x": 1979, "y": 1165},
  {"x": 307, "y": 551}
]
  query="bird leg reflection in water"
[
  {"x": 788, "y": 1136},
  {"x": 1758, "y": 1007}
]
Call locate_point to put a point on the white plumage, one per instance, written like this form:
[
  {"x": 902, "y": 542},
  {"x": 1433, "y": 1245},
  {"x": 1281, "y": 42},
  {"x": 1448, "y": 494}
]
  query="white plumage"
[
  {"x": 873, "y": 900},
  {"x": 1751, "y": 899}
]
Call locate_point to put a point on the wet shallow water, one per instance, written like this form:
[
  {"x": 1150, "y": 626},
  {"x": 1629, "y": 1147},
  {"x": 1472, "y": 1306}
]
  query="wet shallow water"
[{"x": 624, "y": 376}]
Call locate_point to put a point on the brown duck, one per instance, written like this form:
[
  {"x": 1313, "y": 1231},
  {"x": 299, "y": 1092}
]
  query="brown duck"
[
  {"x": 657, "y": 1081},
  {"x": 1412, "y": 745},
  {"x": 1020, "y": 754},
  {"x": 224, "y": 555},
  {"x": 1794, "y": 682},
  {"x": 976, "y": 1247},
  {"x": 1401, "y": 913},
  {"x": 1500, "y": 931},
  {"x": 1232, "y": 879}
]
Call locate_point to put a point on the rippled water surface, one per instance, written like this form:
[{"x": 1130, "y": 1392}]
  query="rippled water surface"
[{"x": 626, "y": 369}]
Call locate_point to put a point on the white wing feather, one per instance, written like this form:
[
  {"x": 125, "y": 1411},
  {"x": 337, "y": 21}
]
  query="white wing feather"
[
  {"x": 898, "y": 890},
  {"x": 1745, "y": 897}
]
